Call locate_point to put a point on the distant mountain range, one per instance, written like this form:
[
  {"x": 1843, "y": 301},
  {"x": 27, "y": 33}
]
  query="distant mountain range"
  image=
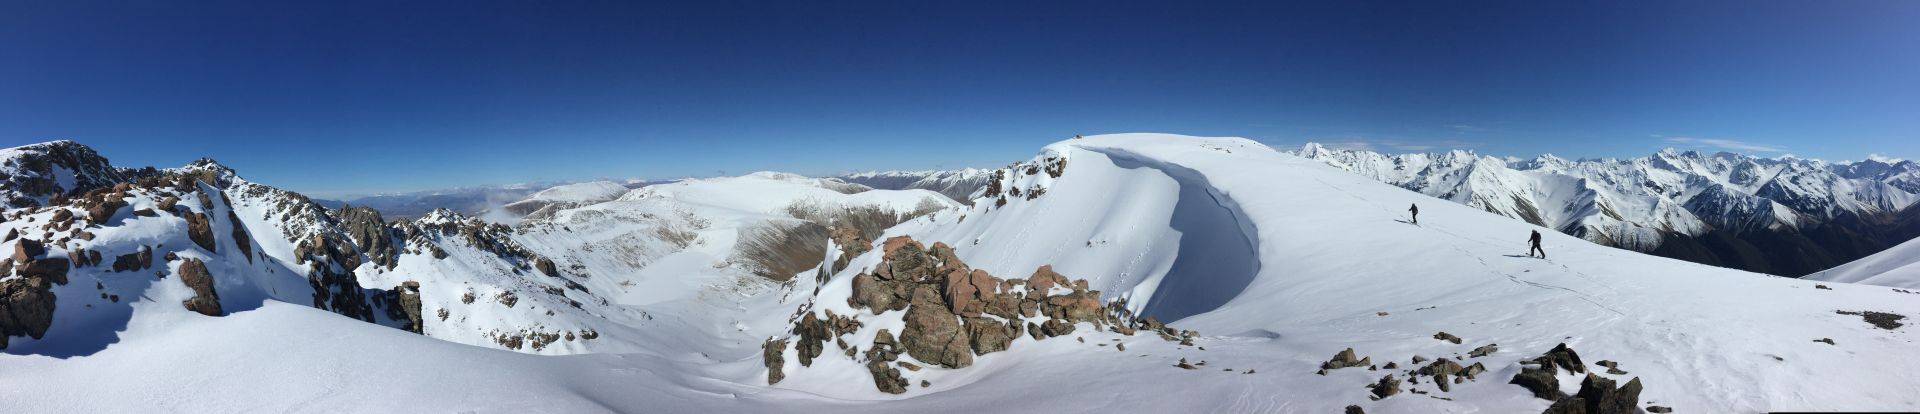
[{"x": 1785, "y": 216}]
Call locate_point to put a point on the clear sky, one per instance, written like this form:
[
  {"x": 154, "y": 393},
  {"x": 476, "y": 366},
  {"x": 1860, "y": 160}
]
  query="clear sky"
[{"x": 345, "y": 96}]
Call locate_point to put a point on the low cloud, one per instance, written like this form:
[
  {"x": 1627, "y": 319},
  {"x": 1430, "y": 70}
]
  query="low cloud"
[{"x": 1720, "y": 143}]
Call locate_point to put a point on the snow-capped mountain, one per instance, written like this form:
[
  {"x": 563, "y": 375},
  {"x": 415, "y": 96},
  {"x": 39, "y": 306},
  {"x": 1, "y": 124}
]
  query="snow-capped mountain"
[
  {"x": 959, "y": 184},
  {"x": 1130, "y": 272},
  {"x": 1723, "y": 209}
]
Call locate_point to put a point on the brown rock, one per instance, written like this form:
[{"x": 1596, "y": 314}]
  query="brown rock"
[
  {"x": 546, "y": 267},
  {"x": 933, "y": 334},
  {"x": 987, "y": 335},
  {"x": 27, "y": 250},
  {"x": 200, "y": 229},
  {"x": 773, "y": 354},
  {"x": 26, "y": 308},
  {"x": 205, "y": 299},
  {"x": 1056, "y": 327},
  {"x": 1345, "y": 359},
  {"x": 1044, "y": 279}
]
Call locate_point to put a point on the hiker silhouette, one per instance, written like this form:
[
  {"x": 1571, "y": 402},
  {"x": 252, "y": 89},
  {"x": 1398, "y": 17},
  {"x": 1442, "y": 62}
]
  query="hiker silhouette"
[
  {"x": 1416, "y": 213},
  {"x": 1534, "y": 243}
]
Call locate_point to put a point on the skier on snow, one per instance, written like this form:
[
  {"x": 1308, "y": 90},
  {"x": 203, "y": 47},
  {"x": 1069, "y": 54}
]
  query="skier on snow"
[
  {"x": 1535, "y": 242},
  {"x": 1416, "y": 213}
]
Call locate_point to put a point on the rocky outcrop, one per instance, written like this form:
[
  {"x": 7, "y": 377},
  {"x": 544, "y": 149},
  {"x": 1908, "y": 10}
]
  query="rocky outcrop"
[
  {"x": 1598, "y": 396},
  {"x": 205, "y": 300},
  {"x": 932, "y": 333},
  {"x": 1539, "y": 379},
  {"x": 241, "y": 240},
  {"x": 369, "y": 231},
  {"x": 1345, "y": 359},
  {"x": 954, "y": 312},
  {"x": 29, "y": 261},
  {"x": 773, "y": 354},
  {"x": 200, "y": 230},
  {"x": 1882, "y": 320},
  {"x": 138, "y": 260},
  {"x": 26, "y": 308},
  {"x": 1386, "y": 387},
  {"x": 404, "y": 306}
]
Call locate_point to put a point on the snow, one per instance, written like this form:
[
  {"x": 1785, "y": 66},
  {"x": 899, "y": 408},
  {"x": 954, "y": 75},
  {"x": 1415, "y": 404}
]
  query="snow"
[
  {"x": 1898, "y": 266},
  {"x": 1280, "y": 261},
  {"x": 1630, "y": 203},
  {"x": 581, "y": 192}
]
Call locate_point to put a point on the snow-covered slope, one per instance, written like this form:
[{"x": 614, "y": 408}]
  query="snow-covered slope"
[
  {"x": 545, "y": 202},
  {"x": 674, "y": 241},
  {"x": 956, "y": 184},
  {"x": 1277, "y": 261},
  {"x": 1895, "y": 267},
  {"x": 1282, "y": 262},
  {"x": 1713, "y": 209}
]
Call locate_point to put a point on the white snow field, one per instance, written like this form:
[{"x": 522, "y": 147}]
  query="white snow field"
[
  {"x": 1898, "y": 266},
  {"x": 1278, "y": 261}
]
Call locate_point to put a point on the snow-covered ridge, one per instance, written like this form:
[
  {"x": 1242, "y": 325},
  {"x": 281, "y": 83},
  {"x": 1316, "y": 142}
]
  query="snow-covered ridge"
[
  {"x": 1896, "y": 267},
  {"x": 1645, "y": 203},
  {"x": 959, "y": 184}
]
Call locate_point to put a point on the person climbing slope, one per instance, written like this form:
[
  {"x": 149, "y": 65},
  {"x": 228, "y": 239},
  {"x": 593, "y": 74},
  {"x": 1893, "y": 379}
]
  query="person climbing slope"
[
  {"x": 1416, "y": 213},
  {"x": 1534, "y": 241}
]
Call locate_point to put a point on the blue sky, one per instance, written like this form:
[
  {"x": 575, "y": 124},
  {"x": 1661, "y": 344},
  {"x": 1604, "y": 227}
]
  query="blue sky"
[{"x": 332, "y": 97}]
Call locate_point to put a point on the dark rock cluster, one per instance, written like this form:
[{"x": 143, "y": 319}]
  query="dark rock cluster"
[
  {"x": 953, "y": 312},
  {"x": 1597, "y": 395}
]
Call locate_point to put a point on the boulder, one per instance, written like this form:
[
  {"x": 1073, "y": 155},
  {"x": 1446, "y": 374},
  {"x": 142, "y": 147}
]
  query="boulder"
[
  {"x": 813, "y": 335},
  {"x": 1056, "y": 327},
  {"x": 1446, "y": 337},
  {"x": 1600, "y": 397},
  {"x": 887, "y": 378},
  {"x": 967, "y": 292},
  {"x": 1346, "y": 359},
  {"x": 51, "y": 269},
  {"x": 200, "y": 230},
  {"x": 988, "y": 335},
  {"x": 27, "y": 250},
  {"x": 1539, "y": 381},
  {"x": 138, "y": 260},
  {"x": 773, "y": 354},
  {"x": 880, "y": 295},
  {"x": 546, "y": 267},
  {"x": 205, "y": 299},
  {"x": 26, "y": 308},
  {"x": 406, "y": 307},
  {"x": 1386, "y": 387},
  {"x": 98, "y": 213},
  {"x": 906, "y": 260},
  {"x": 1483, "y": 350},
  {"x": 1044, "y": 279},
  {"x": 1080, "y": 306},
  {"x": 932, "y": 333}
]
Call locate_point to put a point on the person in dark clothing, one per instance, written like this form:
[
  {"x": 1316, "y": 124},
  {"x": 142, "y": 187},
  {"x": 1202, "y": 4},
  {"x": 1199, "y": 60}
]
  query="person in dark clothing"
[
  {"x": 1416, "y": 213},
  {"x": 1534, "y": 241}
]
